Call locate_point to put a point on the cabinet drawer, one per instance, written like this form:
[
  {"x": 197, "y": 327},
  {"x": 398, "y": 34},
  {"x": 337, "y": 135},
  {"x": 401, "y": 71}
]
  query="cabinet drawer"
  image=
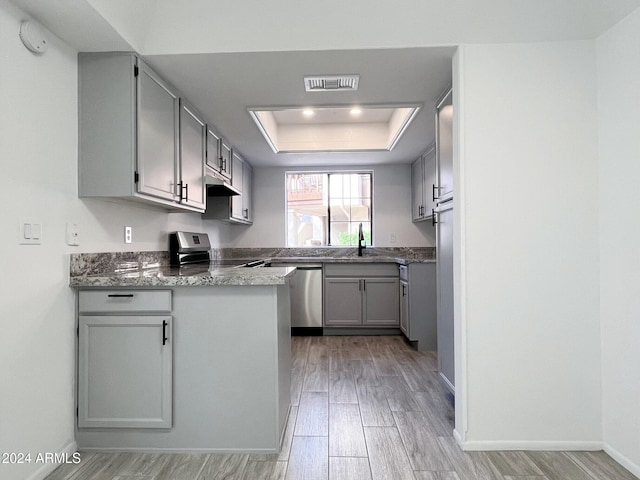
[
  {"x": 360, "y": 270},
  {"x": 105, "y": 301}
]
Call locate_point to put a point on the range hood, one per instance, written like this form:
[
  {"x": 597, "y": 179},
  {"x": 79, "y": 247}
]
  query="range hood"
[{"x": 217, "y": 186}]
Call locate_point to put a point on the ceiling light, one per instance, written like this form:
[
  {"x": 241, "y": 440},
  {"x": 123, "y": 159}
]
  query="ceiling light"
[
  {"x": 307, "y": 112},
  {"x": 355, "y": 111}
]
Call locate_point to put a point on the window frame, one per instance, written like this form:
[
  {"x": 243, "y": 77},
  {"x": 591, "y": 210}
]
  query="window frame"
[{"x": 327, "y": 172}]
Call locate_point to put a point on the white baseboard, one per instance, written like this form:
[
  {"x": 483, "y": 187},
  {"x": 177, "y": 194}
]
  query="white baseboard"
[
  {"x": 529, "y": 445},
  {"x": 46, "y": 468},
  {"x": 622, "y": 460},
  {"x": 458, "y": 438}
]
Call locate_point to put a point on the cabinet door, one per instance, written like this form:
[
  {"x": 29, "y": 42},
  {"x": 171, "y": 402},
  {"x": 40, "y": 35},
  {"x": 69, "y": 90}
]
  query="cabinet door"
[
  {"x": 342, "y": 301},
  {"x": 157, "y": 135},
  {"x": 444, "y": 266},
  {"x": 237, "y": 180},
  {"x": 444, "y": 146},
  {"x": 430, "y": 182},
  {"x": 404, "y": 308},
  {"x": 125, "y": 371},
  {"x": 225, "y": 160},
  {"x": 193, "y": 148},
  {"x": 247, "y": 190},
  {"x": 417, "y": 194},
  {"x": 381, "y": 301},
  {"x": 213, "y": 150}
]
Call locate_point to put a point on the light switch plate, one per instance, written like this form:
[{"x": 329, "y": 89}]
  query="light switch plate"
[{"x": 30, "y": 232}]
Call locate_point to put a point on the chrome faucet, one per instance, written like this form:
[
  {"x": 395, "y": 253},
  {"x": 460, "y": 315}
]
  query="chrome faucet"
[{"x": 360, "y": 240}]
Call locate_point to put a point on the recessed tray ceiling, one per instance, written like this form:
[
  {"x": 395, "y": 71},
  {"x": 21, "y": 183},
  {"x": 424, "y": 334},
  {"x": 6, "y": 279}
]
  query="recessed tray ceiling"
[{"x": 333, "y": 129}]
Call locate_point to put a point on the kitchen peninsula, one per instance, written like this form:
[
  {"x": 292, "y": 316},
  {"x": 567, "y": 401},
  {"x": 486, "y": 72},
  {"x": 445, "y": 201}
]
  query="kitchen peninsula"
[
  {"x": 181, "y": 359},
  {"x": 216, "y": 342}
]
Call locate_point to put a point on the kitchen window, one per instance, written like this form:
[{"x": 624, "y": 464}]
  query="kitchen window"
[{"x": 326, "y": 208}]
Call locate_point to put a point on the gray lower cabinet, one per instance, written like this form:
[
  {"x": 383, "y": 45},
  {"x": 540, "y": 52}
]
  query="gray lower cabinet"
[
  {"x": 418, "y": 305},
  {"x": 342, "y": 302},
  {"x": 129, "y": 135},
  {"x": 404, "y": 308},
  {"x": 361, "y": 295},
  {"x": 231, "y": 349},
  {"x": 125, "y": 359},
  {"x": 380, "y": 301},
  {"x": 445, "y": 305}
]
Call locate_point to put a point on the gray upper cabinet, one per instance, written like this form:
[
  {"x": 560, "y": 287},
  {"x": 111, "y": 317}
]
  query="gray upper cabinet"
[
  {"x": 423, "y": 186},
  {"x": 129, "y": 134},
  {"x": 444, "y": 146},
  {"x": 236, "y": 208},
  {"x": 247, "y": 193},
  {"x": 225, "y": 161},
  {"x": 242, "y": 179},
  {"x": 157, "y": 135},
  {"x": 218, "y": 154},
  {"x": 193, "y": 148},
  {"x": 237, "y": 180},
  {"x": 417, "y": 189}
]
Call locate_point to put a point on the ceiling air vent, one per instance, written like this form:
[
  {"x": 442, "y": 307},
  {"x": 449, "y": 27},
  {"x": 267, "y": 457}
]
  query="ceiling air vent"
[{"x": 331, "y": 83}]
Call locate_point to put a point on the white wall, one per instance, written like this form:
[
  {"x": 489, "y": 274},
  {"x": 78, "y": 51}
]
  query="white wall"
[
  {"x": 529, "y": 173},
  {"x": 38, "y": 161},
  {"x": 391, "y": 210},
  {"x": 619, "y": 151}
]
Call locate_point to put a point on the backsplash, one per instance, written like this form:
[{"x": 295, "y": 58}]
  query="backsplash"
[{"x": 96, "y": 263}]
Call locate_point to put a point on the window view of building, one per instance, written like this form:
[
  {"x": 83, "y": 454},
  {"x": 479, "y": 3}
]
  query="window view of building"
[{"x": 327, "y": 208}]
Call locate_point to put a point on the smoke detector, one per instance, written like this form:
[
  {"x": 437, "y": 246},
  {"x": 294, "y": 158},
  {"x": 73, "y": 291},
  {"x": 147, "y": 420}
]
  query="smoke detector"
[
  {"x": 331, "y": 83},
  {"x": 33, "y": 37}
]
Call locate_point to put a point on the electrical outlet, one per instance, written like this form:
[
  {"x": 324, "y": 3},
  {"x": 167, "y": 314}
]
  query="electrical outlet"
[
  {"x": 392, "y": 238},
  {"x": 72, "y": 234},
  {"x": 128, "y": 234}
]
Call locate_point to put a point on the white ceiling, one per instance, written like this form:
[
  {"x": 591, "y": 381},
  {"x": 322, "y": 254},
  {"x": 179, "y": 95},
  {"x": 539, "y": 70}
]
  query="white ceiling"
[
  {"x": 227, "y": 56},
  {"x": 223, "y": 85}
]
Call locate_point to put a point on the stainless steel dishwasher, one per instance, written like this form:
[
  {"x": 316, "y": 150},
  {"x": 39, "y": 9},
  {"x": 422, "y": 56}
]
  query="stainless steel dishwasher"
[{"x": 306, "y": 298}]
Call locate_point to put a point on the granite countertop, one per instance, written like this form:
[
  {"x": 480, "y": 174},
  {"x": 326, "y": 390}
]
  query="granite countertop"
[
  {"x": 151, "y": 269},
  {"x": 363, "y": 259},
  {"x": 166, "y": 276}
]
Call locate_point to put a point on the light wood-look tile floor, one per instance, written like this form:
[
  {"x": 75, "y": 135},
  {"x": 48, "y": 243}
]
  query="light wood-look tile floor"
[{"x": 363, "y": 408}]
